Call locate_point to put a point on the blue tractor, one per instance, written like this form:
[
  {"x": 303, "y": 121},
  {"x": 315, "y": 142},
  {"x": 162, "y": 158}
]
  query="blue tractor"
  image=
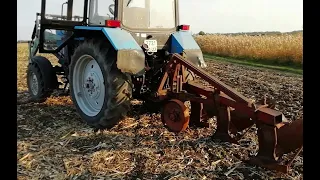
[
  {"x": 139, "y": 50},
  {"x": 117, "y": 51}
]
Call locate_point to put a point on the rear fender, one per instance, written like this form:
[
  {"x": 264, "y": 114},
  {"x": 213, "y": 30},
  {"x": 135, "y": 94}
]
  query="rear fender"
[
  {"x": 130, "y": 56},
  {"x": 182, "y": 42}
]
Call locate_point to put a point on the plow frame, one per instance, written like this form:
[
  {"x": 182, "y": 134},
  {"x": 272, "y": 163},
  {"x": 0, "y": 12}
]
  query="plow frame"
[{"x": 234, "y": 112}]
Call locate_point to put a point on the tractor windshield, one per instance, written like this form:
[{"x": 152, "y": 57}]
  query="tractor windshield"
[
  {"x": 149, "y": 14},
  {"x": 101, "y": 10}
]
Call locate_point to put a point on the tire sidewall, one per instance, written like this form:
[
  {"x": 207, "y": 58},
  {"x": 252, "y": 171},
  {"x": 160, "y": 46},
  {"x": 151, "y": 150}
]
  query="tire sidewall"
[
  {"x": 101, "y": 60},
  {"x": 32, "y": 69}
]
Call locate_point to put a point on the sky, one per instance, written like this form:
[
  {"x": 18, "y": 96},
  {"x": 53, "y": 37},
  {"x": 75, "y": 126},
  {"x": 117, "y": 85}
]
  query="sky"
[{"x": 211, "y": 16}]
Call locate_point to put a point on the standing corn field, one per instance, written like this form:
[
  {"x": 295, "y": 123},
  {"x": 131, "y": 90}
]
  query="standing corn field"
[{"x": 285, "y": 48}]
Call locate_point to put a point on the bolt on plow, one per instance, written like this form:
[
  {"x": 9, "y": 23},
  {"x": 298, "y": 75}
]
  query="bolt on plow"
[{"x": 234, "y": 113}]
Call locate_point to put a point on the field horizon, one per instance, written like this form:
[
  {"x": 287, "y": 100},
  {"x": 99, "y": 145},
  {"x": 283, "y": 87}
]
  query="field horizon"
[{"x": 261, "y": 49}]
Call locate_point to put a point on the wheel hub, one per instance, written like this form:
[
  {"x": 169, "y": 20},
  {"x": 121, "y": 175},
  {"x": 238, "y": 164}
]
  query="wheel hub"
[
  {"x": 175, "y": 115},
  {"x": 88, "y": 85},
  {"x": 34, "y": 83},
  {"x": 92, "y": 85}
]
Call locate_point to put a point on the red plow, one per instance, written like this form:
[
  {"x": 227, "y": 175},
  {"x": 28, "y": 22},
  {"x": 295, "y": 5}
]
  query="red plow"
[{"x": 235, "y": 114}]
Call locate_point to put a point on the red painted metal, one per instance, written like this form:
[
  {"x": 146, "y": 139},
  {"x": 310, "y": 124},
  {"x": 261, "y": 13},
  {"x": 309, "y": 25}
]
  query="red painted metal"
[
  {"x": 234, "y": 112},
  {"x": 175, "y": 115}
]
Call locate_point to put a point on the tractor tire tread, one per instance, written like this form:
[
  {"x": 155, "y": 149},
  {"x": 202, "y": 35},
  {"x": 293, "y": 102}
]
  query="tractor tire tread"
[
  {"x": 42, "y": 93},
  {"x": 118, "y": 85}
]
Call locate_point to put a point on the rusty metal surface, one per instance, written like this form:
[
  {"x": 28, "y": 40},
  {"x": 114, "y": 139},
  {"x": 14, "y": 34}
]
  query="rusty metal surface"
[
  {"x": 175, "y": 115},
  {"x": 239, "y": 121},
  {"x": 198, "y": 115},
  {"x": 267, "y": 138},
  {"x": 277, "y": 140},
  {"x": 290, "y": 137},
  {"x": 212, "y": 80},
  {"x": 270, "y": 116},
  {"x": 193, "y": 87},
  {"x": 223, "y": 125},
  {"x": 230, "y": 123},
  {"x": 284, "y": 168},
  {"x": 235, "y": 114}
]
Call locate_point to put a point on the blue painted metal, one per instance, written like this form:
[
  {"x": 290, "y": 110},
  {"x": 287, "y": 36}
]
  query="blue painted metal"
[
  {"x": 119, "y": 38},
  {"x": 60, "y": 32},
  {"x": 79, "y": 38},
  {"x": 60, "y": 36},
  {"x": 94, "y": 28},
  {"x": 183, "y": 40}
]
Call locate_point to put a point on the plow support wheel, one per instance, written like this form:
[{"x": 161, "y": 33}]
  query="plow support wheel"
[{"x": 175, "y": 115}]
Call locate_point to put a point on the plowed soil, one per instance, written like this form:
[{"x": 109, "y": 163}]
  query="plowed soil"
[{"x": 53, "y": 142}]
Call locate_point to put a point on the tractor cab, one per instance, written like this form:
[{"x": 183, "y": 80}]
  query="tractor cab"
[
  {"x": 144, "y": 19},
  {"x": 152, "y": 24},
  {"x": 136, "y": 15},
  {"x": 138, "y": 30}
]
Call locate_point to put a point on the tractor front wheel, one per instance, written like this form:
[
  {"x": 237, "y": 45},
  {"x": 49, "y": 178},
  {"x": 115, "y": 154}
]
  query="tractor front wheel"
[
  {"x": 41, "y": 79},
  {"x": 99, "y": 90}
]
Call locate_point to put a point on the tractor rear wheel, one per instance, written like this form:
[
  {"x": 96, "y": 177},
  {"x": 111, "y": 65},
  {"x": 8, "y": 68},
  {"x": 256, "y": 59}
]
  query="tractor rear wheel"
[{"x": 100, "y": 91}]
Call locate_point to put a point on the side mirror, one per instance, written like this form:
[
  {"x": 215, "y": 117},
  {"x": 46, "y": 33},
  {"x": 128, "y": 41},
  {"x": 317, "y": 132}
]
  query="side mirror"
[{"x": 111, "y": 9}]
